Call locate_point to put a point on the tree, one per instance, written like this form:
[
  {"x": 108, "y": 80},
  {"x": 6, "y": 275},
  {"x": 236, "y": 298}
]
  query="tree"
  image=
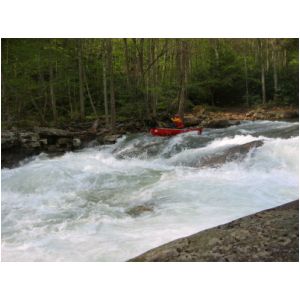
[
  {"x": 80, "y": 76},
  {"x": 183, "y": 74},
  {"x": 111, "y": 85}
]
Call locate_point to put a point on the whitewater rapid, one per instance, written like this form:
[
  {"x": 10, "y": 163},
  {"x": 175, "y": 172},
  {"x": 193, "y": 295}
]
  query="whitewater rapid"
[{"x": 75, "y": 207}]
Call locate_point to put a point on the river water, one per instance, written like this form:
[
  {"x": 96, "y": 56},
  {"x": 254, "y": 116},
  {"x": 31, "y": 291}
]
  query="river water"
[{"x": 75, "y": 207}]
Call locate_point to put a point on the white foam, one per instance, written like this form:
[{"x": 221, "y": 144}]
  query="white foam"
[{"x": 74, "y": 207}]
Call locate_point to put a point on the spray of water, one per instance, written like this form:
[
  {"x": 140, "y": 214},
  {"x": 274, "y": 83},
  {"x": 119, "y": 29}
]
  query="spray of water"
[{"x": 76, "y": 207}]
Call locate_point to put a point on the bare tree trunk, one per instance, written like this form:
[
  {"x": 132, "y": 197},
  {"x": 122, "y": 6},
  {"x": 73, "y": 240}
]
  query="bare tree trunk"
[
  {"x": 263, "y": 83},
  {"x": 52, "y": 95},
  {"x": 81, "y": 94},
  {"x": 262, "y": 68},
  {"x": 246, "y": 80},
  {"x": 275, "y": 75},
  {"x": 141, "y": 80},
  {"x": 127, "y": 64},
  {"x": 183, "y": 61},
  {"x": 89, "y": 94},
  {"x": 70, "y": 99},
  {"x": 105, "y": 87},
  {"x": 154, "y": 78},
  {"x": 112, "y": 90}
]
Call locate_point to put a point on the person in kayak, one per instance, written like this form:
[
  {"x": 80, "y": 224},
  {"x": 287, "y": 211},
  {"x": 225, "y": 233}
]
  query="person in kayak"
[{"x": 177, "y": 121}]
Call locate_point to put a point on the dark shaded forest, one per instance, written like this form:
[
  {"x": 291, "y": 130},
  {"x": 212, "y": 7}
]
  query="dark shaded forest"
[{"x": 55, "y": 81}]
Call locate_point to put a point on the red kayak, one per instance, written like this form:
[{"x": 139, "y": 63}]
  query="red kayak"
[{"x": 172, "y": 131}]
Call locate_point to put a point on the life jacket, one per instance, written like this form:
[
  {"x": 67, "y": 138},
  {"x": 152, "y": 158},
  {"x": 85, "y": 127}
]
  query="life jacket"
[{"x": 178, "y": 122}]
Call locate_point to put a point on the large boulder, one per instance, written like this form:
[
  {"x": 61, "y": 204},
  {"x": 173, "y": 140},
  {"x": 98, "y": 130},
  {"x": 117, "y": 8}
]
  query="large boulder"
[
  {"x": 270, "y": 235},
  {"x": 111, "y": 138},
  {"x": 220, "y": 123},
  {"x": 234, "y": 153},
  {"x": 139, "y": 210},
  {"x": 56, "y": 132}
]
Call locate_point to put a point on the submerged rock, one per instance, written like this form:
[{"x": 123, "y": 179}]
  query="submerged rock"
[
  {"x": 221, "y": 123},
  {"x": 111, "y": 138},
  {"x": 139, "y": 209},
  {"x": 270, "y": 235},
  {"x": 235, "y": 153}
]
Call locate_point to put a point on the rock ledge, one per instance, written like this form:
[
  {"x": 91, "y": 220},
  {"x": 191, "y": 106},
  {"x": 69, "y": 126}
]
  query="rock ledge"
[{"x": 270, "y": 235}]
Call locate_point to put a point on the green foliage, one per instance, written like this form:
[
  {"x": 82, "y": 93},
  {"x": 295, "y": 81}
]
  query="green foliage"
[{"x": 147, "y": 73}]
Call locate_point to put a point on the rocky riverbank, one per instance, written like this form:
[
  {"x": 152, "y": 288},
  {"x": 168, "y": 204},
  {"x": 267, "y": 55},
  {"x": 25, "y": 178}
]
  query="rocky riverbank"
[
  {"x": 18, "y": 144},
  {"x": 270, "y": 235}
]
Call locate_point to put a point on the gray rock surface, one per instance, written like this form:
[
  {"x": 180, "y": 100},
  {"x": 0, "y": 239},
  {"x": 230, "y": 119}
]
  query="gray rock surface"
[
  {"x": 139, "y": 209},
  {"x": 270, "y": 235},
  {"x": 234, "y": 153}
]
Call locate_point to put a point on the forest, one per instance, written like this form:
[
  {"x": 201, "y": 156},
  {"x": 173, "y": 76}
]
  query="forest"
[{"x": 55, "y": 81}]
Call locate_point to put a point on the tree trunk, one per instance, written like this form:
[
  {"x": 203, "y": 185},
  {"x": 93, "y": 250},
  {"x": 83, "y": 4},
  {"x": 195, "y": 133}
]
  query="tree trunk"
[
  {"x": 127, "y": 64},
  {"x": 246, "y": 81},
  {"x": 263, "y": 83},
  {"x": 89, "y": 94},
  {"x": 262, "y": 68},
  {"x": 81, "y": 94},
  {"x": 275, "y": 75},
  {"x": 111, "y": 83},
  {"x": 183, "y": 62},
  {"x": 52, "y": 95},
  {"x": 70, "y": 99},
  {"x": 105, "y": 87}
]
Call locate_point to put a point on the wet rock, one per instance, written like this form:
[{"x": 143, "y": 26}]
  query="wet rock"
[
  {"x": 234, "y": 122},
  {"x": 138, "y": 210},
  {"x": 9, "y": 139},
  {"x": 76, "y": 143},
  {"x": 43, "y": 142},
  {"x": 64, "y": 141},
  {"x": 270, "y": 235},
  {"x": 45, "y": 131},
  {"x": 111, "y": 139},
  {"x": 31, "y": 145},
  {"x": 218, "y": 124},
  {"x": 26, "y": 137},
  {"x": 235, "y": 153}
]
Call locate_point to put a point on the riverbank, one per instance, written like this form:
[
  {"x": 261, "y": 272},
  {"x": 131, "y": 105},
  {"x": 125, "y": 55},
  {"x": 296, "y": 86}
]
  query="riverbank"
[
  {"x": 270, "y": 235},
  {"x": 18, "y": 144}
]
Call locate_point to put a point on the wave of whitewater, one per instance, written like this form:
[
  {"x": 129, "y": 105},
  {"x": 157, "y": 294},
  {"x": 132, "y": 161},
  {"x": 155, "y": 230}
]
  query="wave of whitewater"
[{"x": 75, "y": 207}]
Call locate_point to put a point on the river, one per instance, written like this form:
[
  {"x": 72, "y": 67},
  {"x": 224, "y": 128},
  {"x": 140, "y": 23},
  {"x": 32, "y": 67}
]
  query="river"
[{"x": 75, "y": 207}]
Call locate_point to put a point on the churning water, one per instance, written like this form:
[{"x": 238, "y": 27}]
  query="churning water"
[{"x": 75, "y": 207}]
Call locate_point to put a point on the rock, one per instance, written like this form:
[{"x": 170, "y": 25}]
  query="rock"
[
  {"x": 199, "y": 111},
  {"x": 76, "y": 143},
  {"x": 250, "y": 114},
  {"x": 234, "y": 122},
  {"x": 64, "y": 141},
  {"x": 270, "y": 235},
  {"x": 30, "y": 145},
  {"x": 43, "y": 142},
  {"x": 28, "y": 137},
  {"x": 237, "y": 152},
  {"x": 111, "y": 139},
  {"x": 290, "y": 115},
  {"x": 9, "y": 139},
  {"x": 45, "y": 131},
  {"x": 138, "y": 210},
  {"x": 190, "y": 120},
  {"x": 259, "y": 116},
  {"x": 218, "y": 124}
]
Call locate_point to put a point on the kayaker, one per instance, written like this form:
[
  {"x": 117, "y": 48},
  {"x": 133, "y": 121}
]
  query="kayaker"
[{"x": 177, "y": 121}]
